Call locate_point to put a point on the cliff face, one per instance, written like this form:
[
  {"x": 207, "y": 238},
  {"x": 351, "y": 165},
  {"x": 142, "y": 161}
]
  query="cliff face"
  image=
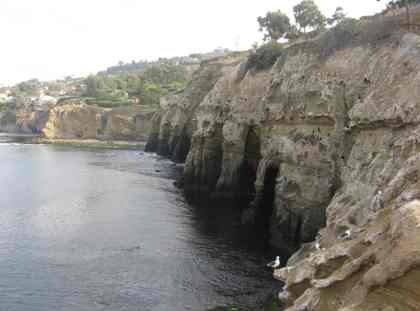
[
  {"x": 308, "y": 145},
  {"x": 174, "y": 124},
  {"x": 80, "y": 121},
  {"x": 23, "y": 121}
]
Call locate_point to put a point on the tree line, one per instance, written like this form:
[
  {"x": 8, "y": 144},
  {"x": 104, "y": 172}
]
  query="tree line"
[
  {"x": 276, "y": 25},
  {"x": 148, "y": 86},
  {"x": 308, "y": 17}
]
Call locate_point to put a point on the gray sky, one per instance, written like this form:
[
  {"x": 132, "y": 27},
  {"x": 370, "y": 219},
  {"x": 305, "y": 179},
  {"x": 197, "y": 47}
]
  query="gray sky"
[{"x": 48, "y": 39}]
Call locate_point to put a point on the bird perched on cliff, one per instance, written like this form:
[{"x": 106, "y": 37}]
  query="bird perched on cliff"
[
  {"x": 318, "y": 242},
  {"x": 345, "y": 236},
  {"x": 274, "y": 264},
  {"x": 377, "y": 202}
]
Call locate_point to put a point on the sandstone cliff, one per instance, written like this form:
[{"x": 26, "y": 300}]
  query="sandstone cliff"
[
  {"x": 24, "y": 121},
  {"x": 81, "y": 121},
  {"x": 174, "y": 124},
  {"x": 307, "y": 146}
]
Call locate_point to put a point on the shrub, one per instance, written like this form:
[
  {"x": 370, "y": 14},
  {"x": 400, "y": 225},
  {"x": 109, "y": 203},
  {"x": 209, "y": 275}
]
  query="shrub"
[{"x": 264, "y": 57}]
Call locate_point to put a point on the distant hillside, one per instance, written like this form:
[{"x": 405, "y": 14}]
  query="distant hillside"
[{"x": 140, "y": 66}]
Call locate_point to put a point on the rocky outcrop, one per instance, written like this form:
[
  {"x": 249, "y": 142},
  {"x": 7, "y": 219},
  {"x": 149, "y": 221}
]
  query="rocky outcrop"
[
  {"x": 328, "y": 138},
  {"x": 174, "y": 124},
  {"x": 81, "y": 121},
  {"x": 24, "y": 121}
]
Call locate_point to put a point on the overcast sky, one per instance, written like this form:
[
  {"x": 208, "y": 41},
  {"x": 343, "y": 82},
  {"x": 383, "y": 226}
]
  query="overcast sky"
[{"x": 48, "y": 39}]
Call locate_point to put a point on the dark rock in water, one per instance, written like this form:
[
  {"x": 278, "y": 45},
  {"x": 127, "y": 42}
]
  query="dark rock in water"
[{"x": 179, "y": 183}]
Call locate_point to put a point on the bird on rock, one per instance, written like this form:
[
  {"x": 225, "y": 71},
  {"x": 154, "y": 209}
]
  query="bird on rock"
[
  {"x": 346, "y": 235},
  {"x": 274, "y": 264}
]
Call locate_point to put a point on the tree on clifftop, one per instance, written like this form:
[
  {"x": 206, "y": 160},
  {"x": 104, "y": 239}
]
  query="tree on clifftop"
[
  {"x": 91, "y": 86},
  {"x": 307, "y": 14},
  {"x": 275, "y": 25},
  {"x": 401, "y": 3},
  {"x": 337, "y": 17}
]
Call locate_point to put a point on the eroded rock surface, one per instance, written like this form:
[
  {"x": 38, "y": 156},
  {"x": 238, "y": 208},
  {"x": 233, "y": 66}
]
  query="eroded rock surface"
[
  {"x": 81, "y": 121},
  {"x": 311, "y": 144},
  {"x": 175, "y": 122},
  {"x": 24, "y": 121}
]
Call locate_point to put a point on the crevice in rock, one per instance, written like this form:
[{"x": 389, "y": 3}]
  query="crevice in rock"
[
  {"x": 203, "y": 171},
  {"x": 153, "y": 137},
  {"x": 298, "y": 230},
  {"x": 163, "y": 144},
  {"x": 245, "y": 192},
  {"x": 182, "y": 147},
  {"x": 265, "y": 209}
]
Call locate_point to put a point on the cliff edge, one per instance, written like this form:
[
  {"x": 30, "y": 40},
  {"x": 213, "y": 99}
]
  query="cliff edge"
[
  {"x": 74, "y": 120},
  {"x": 323, "y": 151}
]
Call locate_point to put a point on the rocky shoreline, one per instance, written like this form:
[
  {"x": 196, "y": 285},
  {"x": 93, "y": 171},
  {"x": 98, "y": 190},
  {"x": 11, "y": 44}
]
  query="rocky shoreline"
[
  {"x": 306, "y": 147},
  {"x": 320, "y": 153},
  {"x": 92, "y": 143}
]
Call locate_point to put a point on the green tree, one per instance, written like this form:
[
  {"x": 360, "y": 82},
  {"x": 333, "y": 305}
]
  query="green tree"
[
  {"x": 91, "y": 86},
  {"x": 308, "y": 15},
  {"x": 337, "y": 17},
  {"x": 293, "y": 33},
  {"x": 274, "y": 24},
  {"x": 395, "y": 4},
  {"x": 120, "y": 83},
  {"x": 28, "y": 87}
]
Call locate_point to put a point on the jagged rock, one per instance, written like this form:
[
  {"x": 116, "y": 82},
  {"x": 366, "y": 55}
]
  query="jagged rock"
[
  {"x": 81, "y": 121},
  {"x": 174, "y": 124},
  {"x": 24, "y": 121},
  {"x": 307, "y": 145}
]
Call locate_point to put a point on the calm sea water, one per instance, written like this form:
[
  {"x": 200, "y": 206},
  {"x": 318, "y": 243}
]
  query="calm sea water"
[{"x": 90, "y": 229}]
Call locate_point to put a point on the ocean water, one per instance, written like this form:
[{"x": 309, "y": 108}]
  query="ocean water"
[{"x": 91, "y": 229}]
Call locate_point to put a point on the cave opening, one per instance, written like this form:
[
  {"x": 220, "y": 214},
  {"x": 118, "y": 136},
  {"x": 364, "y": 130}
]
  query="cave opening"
[
  {"x": 266, "y": 206},
  {"x": 163, "y": 144},
  {"x": 245, "y": 193},
  {"x": 182, "y": 147}
]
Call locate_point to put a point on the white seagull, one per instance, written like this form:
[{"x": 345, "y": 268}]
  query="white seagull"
[
  {"x": 274, "y": 264},
  {"x": 345, "y": 236}
]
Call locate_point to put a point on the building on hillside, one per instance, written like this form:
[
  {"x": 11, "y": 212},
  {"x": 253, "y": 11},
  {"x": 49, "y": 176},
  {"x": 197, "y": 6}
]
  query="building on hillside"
[{"x": 43, "y": 103}]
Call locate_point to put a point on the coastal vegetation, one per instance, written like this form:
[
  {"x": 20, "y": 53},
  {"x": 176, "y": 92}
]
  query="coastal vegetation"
[
  {"x": 308, "y": 18},
  {"x": 275, "y": 26},
  {"x": 264, "y": 57},
  {"x": 144, "y": 88}
]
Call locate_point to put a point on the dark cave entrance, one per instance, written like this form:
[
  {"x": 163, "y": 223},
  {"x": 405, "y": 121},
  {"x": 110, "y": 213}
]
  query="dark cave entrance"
[
  {"x": 163, "y": 145},
  {"x": 182, "y": 147},
  {"x": 266, "y": 206},
  {"x": 245, "y": 193}
]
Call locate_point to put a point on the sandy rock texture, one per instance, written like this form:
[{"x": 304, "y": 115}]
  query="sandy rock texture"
[
  {"x": 81, "y": 121},
  {"x": 327, "y": 143},
  {"x": 175, "y": 122},
  {"x": 24, "y": 121}
]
